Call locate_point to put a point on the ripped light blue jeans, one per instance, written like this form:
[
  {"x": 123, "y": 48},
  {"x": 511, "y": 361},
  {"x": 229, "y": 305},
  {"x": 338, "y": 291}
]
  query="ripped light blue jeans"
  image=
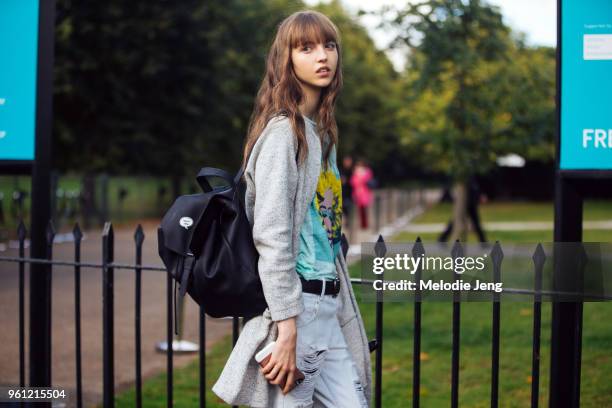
[{"x": 331, "y": 378}]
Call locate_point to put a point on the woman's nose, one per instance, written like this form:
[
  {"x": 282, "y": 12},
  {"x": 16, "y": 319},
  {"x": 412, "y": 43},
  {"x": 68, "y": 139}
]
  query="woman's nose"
[{"x": 321, "y": 54}]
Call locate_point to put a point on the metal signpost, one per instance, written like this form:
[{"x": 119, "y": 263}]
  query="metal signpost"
[
  {"x": 26, "y": 81},
  {"x": 584, "y": 161}
]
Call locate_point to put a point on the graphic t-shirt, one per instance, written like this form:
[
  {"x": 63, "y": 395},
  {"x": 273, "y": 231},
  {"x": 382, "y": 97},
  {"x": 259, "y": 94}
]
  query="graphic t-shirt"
[{"x": 321, "y": 231}]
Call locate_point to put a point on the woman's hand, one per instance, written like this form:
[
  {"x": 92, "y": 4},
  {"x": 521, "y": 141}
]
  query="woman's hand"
[{"x": 281, "y": 368}]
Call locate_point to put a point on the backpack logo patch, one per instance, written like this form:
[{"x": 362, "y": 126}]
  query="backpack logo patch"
[{"x": 186, "y": 222}]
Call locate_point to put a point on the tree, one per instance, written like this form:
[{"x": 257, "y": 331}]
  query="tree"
[
  {"x": 462, "y": 100},
  {"x": 531, "y": 103},
  {"x": 158, "y": 87}
]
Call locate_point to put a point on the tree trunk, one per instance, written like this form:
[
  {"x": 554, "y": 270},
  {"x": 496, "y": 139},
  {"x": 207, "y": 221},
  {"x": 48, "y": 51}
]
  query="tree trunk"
[
  {"x": 88, "y": 200},
  {"x": 459, "y": 212}
]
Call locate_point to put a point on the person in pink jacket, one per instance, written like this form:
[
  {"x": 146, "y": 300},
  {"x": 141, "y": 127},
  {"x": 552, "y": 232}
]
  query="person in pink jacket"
[{"x": 361, "y": 180}]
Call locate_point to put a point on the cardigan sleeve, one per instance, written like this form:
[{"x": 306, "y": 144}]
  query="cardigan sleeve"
[{"x": 276, "y": 180}]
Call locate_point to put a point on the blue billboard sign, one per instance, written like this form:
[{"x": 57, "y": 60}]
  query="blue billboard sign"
[
  {"x": 18, "y": 60},
  {"x": 586, "y": 85}
]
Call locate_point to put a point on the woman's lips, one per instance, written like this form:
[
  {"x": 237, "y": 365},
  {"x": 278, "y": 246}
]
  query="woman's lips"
[{"x": 323, "y": 73}]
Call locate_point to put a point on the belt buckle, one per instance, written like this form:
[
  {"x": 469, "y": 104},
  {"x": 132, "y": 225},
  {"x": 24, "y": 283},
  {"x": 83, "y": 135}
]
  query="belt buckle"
[{"x": 336, "y": 286}]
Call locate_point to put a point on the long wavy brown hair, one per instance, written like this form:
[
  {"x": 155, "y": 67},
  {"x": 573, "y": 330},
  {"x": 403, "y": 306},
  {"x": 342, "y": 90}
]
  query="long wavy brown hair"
[{"x": 280, "y": 92}]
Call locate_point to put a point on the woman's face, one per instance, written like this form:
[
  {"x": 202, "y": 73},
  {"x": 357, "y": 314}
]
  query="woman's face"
[{"x": 315, "y": 64}]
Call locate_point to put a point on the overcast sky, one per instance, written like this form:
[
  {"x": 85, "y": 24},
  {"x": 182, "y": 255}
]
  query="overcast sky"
[{"x": 536, "y": 18}]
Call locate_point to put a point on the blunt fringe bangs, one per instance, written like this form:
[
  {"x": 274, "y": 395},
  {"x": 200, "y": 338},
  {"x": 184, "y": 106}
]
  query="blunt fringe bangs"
[{"x": 311, "y": 28}]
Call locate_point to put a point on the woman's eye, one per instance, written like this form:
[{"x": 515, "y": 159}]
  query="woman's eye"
[
  {"x": 331, "y": 45},
  {"x": 305, "y": 48}
]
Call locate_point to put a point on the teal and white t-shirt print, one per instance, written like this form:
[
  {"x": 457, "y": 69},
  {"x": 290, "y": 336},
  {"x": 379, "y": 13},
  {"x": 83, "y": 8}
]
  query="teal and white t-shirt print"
[{"x": 322, "y": 229}]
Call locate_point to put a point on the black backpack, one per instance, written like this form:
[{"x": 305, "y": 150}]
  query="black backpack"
[{"x": 206, "y": 243}]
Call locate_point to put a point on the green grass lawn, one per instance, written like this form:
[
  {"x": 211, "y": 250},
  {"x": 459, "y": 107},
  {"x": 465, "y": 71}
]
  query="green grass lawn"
[
  {"x": 510, "y": 236},
  {"x": 517, "y": 211},
  {"x": 514, "y": 212},
  {"x": 475, "y": 358}
]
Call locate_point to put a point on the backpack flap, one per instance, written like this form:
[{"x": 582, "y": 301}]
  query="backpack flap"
[
  {"x": 180, "y": 221},
  {"x": 175, "y": 234},
  {"x": 168, "y": 257},
  {"x": 180, "y": 267}
]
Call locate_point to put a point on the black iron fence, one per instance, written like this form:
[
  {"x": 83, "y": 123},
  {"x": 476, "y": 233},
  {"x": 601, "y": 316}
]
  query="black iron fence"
[{"x": 108, "y": 266}]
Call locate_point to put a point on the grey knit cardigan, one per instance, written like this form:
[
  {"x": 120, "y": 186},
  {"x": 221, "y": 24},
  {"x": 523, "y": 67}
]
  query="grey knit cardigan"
[{"x": 278, "y": 194}]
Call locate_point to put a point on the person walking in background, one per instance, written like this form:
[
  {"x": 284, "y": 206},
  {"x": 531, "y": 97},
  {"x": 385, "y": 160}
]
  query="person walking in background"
[
  {"x": 473, "y": 200},
  {"x": 362, "y": 181},
  {"x": 347, "y": 189}
]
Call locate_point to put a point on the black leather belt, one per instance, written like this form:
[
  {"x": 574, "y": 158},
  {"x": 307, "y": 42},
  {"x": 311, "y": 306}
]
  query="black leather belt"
[{"x": 332, "y": 287}]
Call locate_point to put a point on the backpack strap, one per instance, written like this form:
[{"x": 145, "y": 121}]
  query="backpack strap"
[
  {"x": 206, "y": 172},
  {"x": 188, "y": 264},
  {"x": 183, "y": 269},
  {"x": 239, "y": 175}
]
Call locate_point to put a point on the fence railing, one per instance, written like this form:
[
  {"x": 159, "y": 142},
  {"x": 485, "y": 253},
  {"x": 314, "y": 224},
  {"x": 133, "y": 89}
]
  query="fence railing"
[
  {"x": 388, "y": 205},
  {"x": 108, "y": 266}
]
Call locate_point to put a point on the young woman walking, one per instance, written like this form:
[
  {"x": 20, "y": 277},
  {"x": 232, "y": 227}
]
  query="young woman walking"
[{"x": 294, "y": 203}]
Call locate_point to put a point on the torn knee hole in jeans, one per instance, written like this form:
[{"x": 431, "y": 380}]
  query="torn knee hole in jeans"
[
  {"x": 360, "y": 393},
  {"x": 311, "y": 363}
]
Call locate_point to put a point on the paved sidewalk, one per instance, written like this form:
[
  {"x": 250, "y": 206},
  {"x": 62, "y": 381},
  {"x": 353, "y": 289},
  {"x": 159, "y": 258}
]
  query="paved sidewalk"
[{"x": 153, "y": 317}]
